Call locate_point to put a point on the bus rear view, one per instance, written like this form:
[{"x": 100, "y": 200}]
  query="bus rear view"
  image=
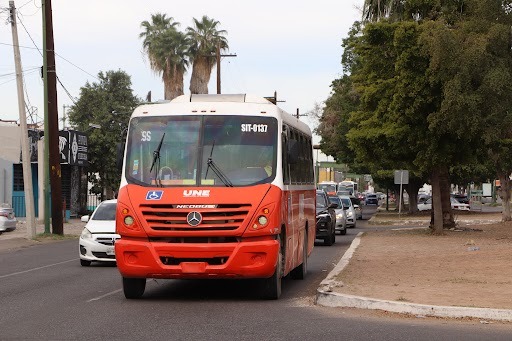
[{"x": 202, "y": 195}]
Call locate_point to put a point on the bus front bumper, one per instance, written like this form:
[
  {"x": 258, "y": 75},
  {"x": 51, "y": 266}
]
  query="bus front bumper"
[{"x": 144, "y": 259}]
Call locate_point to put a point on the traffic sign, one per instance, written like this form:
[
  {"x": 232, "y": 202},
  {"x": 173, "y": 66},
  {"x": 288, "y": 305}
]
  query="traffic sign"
[{"x": 401, "y": 177}]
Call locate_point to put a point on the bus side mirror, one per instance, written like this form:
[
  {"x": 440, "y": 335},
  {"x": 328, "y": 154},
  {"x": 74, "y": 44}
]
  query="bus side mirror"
[
  {"x": 293, "y": 151},
  {"x": 120, "y": 156}
]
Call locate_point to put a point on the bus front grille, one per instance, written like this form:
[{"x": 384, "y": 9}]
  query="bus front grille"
[{"x": 166, "y": 217}]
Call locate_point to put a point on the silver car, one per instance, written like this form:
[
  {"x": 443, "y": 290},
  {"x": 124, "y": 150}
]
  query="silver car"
[
  {"x": 341, "y": 219},
  {"x": 7, "y": 219},
  {"x": 350, "y": 211}
]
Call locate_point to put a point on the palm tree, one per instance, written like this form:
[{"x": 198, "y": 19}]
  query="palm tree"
[
  {"x": 376, "y": 10},
  {"x": 167, "y": 50},
  {"x": 204, "y": 38}
]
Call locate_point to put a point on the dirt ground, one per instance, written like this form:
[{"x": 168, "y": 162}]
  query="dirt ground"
[{"x": 470, "y": 267}]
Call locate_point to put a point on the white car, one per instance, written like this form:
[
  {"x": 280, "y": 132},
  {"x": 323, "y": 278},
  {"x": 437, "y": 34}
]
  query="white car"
[
  {"x": 456, "y": 205},
  {"x": 7, "y": 219},
  {"x": 350, "y": 212},
  {"x": 341, "y": 219},
  {"x": 97, "y": 240}
]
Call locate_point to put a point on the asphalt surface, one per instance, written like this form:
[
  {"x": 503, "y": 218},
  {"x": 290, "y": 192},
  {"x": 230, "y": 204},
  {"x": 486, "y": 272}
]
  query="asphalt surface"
[{"x": 46, "y": 295}]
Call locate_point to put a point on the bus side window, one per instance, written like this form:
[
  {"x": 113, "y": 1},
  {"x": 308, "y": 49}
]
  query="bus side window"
[{"x": 284, "y": 156}]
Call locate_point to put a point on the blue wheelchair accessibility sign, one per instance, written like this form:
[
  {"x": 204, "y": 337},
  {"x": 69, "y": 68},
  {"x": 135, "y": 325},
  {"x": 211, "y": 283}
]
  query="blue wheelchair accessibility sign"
[{"x": 154, "y": 195}]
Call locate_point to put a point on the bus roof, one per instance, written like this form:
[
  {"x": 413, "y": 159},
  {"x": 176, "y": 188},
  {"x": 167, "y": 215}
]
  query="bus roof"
[{"x": 224, "y": 104}]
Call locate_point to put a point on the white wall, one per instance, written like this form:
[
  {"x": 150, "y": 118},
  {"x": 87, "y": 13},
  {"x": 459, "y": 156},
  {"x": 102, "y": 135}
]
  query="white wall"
[
  {"x": 10, "y": 142},
  {"x": 5, "y": 181}
]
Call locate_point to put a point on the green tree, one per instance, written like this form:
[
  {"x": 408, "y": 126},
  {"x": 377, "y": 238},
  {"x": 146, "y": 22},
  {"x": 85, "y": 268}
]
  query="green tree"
[
  {"x": 103, "y": 111},
  {"x": 204, "y": 37},
  {"x": 168, "y": 52},
  {"x": 431, "y": 93}
]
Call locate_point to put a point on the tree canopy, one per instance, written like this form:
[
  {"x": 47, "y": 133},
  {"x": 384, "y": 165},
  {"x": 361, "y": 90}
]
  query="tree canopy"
[
  {"x": 425, "y": 90},
  {"x": 103, "y": 111}
]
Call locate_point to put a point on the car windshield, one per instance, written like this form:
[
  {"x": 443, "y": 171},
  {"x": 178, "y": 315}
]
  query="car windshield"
[
  {"x": 337, "y": 201},
  {"x": 105, "y": 211},
  {"x": 320, "y": 201},
  {"x": 201, "y": 150},
  {"x": 346, "y": 202}
]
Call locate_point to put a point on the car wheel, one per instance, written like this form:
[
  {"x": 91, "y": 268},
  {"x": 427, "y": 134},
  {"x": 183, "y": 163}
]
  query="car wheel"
[
  {"x": 84, "y": 262},
  {"x": 271, "y": 288},
  {"x": 301, "y": 271},
  {"x": 133, "y": 288}
]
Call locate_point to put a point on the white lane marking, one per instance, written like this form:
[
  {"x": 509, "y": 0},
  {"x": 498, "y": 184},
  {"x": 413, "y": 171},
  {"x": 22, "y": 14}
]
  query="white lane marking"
[
  {"x": 39, "y": 268},
  {"x": 103, "y": 296},
  {"x": 111, "y": 293}
]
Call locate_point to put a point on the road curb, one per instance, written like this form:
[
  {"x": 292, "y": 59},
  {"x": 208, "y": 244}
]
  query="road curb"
[{"x": 326, "y": 297}]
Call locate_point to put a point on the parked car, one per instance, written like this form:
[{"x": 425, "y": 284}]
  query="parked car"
[
  {"x": 372, "y": 199},
  {"x": 96, "y": 243},
  {"x": 325, "y": 219},
  {"x": 422, "y": 198},
  {"x": 427, "y": 205},
  {"x": 357, "y": 207},
  {"x": 7, "y": 219},
  {"x": 461, "y": 198},
  {"x": 350, "y": 211},
  {"x": 341, "y": 218}
]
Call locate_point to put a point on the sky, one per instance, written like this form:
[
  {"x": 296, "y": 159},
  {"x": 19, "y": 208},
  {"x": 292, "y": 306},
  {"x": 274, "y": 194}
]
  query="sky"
[{"x": 292, "y": 47}]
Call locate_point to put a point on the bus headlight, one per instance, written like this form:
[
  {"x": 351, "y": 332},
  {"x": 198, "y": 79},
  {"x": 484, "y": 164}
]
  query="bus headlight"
[
  {"x": 262, "y": 220},
  {"x": 128, "y": 220}
]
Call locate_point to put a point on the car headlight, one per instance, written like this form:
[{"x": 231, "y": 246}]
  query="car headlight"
[
  {"x": 339, "y": 215},
  {"x": 349, "y": 214},
  {"x": 86, "y": 234}
]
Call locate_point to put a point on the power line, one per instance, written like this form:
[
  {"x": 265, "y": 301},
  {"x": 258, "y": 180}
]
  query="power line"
[
  {"x": 66, "y": 90},
  {"x": 14, "y": 73}
]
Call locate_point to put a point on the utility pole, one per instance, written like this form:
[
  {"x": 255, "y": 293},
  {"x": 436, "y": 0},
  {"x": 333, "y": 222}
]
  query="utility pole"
[
  {"x": 52, "y": 121},
  {"x": 218, "y": 55},
  {"x": 25, "y": 151}
]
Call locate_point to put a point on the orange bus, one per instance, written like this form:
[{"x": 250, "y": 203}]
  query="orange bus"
[{"x": 215, "y": 186}]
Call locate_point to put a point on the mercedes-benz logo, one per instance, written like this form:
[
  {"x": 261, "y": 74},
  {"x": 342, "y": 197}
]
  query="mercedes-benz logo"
[{"x": 194, "y": 218}]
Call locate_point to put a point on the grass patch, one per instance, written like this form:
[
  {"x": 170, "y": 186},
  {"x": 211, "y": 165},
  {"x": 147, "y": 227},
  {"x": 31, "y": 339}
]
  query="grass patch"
[
  {"x": 51, "y": 236},
  {"x": 402, "y": 299}
]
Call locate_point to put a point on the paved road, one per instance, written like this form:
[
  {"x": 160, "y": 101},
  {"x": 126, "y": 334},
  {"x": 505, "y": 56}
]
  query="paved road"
[{"x": 46, "y": 295}]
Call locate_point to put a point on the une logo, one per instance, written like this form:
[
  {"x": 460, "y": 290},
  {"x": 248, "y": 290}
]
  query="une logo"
[{"x": 196, "y": 193}]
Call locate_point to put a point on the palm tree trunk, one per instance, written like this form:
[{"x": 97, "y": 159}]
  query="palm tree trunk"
[{"x": 201, "y": 72}]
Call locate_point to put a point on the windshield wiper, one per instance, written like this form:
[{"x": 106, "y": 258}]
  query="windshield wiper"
[
  {"x": 220, "y": 174},
  {"x": 156, "y": 158}
]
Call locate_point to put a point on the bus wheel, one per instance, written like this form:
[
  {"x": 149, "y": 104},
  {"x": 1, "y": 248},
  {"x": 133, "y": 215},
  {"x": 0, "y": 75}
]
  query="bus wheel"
[
  {"x": 134, "y": 287},
  {"x": 271, "y": 287},
  {"x": 301, "y": 271}
]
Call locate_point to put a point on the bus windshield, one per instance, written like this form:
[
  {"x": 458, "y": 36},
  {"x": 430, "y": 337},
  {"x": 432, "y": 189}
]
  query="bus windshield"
[{"x": 201, "y": 150}]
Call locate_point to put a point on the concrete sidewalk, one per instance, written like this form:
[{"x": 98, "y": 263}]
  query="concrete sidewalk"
[{"x": 19, "y": 237}]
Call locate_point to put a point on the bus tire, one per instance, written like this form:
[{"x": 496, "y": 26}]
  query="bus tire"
[
  {"x": 133, "y": 288},
  {"x": 301, "y": 271},
  {"x": 271, "y": 287}
]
